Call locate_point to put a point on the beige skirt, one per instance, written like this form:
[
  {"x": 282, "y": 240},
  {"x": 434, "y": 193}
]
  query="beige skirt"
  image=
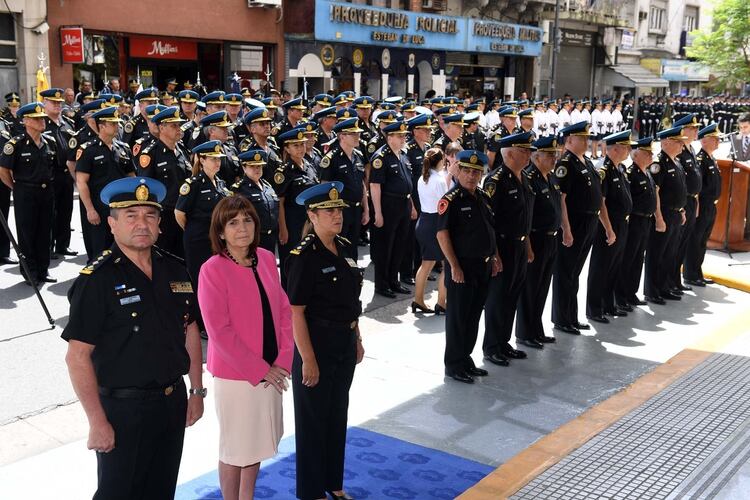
[{"x": 251, "y": 421}]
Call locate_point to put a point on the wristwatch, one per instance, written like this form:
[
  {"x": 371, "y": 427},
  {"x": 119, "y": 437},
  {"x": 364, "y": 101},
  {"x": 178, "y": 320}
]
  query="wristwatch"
[{"x": 202, "y": 392}]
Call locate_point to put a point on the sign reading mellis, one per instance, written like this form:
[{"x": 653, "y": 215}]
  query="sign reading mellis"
[{"x": 343, "y": 22}]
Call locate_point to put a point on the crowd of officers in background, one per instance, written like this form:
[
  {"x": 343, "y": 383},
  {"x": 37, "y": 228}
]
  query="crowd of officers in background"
[{"x": 545, "y": 203}]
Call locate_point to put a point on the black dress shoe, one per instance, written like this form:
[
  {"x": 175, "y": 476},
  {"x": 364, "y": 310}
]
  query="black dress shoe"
[
  {"x": 684, "y": 288},
  {"x": 581, "y": 326},
  {"x": 620, "y": 312},
  {"x": 47, "y": 279},
  {"x": 385, "y": 292},
  {"x": 695, "y": 283},
  {"x": 419, "y": 307},
  {"x": 460, "y": 377},
  {"x": 55, "y": 256},
  {"x": 477, "y": 372},
  {"x": 544, "y": 339},
  {"x": 7, "y": 261},
  {"x": 676, "y": 291},
  {"x": 625, "y": 307},
  {"x": 408, "y": 281},
  {"x": 635, "y": 301},
  {"x": 656, "y": 300},
  {"x": 497, "y": 359},
  {"x": 68, "y": 252},
  {"x": 439, "y": 310},
  {"x": 339, "y": 497},
  {"x": 531, "y": 343},
  {"x": 568, "y": 329},
  {"x": 670, "y": 296},
  {"x": 399, "y": 288},
  {"x": 509, "y": 352},
  {"x": 708, "y": 281},
  {"x": 598, "y": 319}
]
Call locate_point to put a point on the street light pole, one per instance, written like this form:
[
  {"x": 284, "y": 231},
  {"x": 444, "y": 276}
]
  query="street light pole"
[{"x": 555, "y": 49}]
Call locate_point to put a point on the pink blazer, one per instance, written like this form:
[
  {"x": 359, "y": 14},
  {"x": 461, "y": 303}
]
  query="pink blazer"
[{"x": 230, "y": 305}]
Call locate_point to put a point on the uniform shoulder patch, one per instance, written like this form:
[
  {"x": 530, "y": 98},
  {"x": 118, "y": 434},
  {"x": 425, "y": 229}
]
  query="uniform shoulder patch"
[
  {"x": 275, "y": 130},
  {"x": 129, "y": 127},
  {"x": 9, "y": 147},
  {"x": 303, "y": 245},
  {"x": 278, "y": 177},
  {"x": 489, "y": 188},
  {"x": 72, "y": 143},
  {"x": 442, "y": 205},
  {"x": 655, "y": 168},
  {"x": 144, "y": 160},
  {"x": 602, "y": 172},
  {"x": 371, "y": 148},
  {"x": 97, "y": 263},
  {"x": 325, "y": 161},
  {"x": 137, "y": 147},
  {"x": 561, "y": 171},
  {"x": 185, "y": 189},
  {"x": 377, "y": 163},
  {"x": 79, "y": 153}
]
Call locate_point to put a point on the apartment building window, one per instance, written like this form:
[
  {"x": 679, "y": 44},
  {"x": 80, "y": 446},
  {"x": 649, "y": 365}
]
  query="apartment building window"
[
  {"x": 691, "y": 19},
  {"x": 656, "y": 18},
  {"x": 7, "y": 39}
]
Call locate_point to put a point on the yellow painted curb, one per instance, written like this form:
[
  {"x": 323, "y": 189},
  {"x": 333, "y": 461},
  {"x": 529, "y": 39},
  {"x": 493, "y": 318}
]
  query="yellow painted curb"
[{"x": 547, "y": 451}]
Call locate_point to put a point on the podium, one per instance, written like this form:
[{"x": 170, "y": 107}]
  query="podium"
[{"x": 731, "y": 236}]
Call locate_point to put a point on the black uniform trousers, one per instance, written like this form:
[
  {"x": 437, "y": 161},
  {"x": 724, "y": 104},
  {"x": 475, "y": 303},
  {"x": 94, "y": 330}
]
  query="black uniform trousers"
[
  {"x": 502, "y": 294},
  {"x": 629, "y": 274},
  {"x": 408, "y": 269},
  {"x": 33, "y": 205},
  {"x": 170, "y": 238},
  {"x": 295, "y": 222},
  {"x": 63, "y": 187},
  {"x": 466, "y": 301},
  {"x": 536, "y": 286},
  {"x": 96, "y": 238},
  {"x": 389, "y": 241},
  {"x": 5, "y": 210},
  {"x": 351, "y": 227},
  {"x": 696, "y": 247},
  {"x": 660, "y": 254},
  {"x": 686, "y": 233},
  {"x": 148, "y": 447},
  {"x": 603, "y": 267},
  {"x": 568, "y": 266},
  {"x": 320, "y": 412}
]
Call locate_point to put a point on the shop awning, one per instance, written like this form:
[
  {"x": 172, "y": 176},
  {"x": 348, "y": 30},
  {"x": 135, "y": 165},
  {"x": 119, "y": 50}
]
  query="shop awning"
[{"x": 633, "y": 75}]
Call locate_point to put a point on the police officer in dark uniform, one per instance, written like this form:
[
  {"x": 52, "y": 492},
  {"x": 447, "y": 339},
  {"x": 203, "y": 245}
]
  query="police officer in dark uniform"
[
  {"x": 216, "y": 127},
  {"x": 671, "y": 197},
  {"x": 312, "y": 154},
  {"x": 199, "y": 195},
  {"x": 363, "y": 105},
  {"x": 13, "y": 122},
  {"x": 88, "y": 132},
  {"x": 345, "y": 164},
  {"x": 580, "y": 185},
  {"x": 467, "y": 239},
  {"x": 294, "y": 109},
  {"x": 323, "y": 287},
  {"x": 99, "y": 162},
  {"x": 131, "y": 338},
  {"x": 385, "y": 118},
  {"x": 390, "y": 188},
  {"x": 261, "y": 194},
  {"x": 693, "y": 182},
  {"x": 27, "y": 167},
  {"x": 643, "y": 194},
  {"x": 512, "y": 203},
  {"x": 453, "y": 130},
  {"x": 5, "y": 209},
  {"x": 147, "y": 141},
  {"x": 507, "y": 126},
  {"x": 709, "y": 197},
  {"x": 62, "y": 130},
  {"x": 326, "y": 120},
  {"x": 612, "y": 233},
  {"x": 545, "y": 225},
  {"x": 296, "y": 175},
  {"x": 258, "y": 123},
  {"x": 138, "y": 126},
  {"x": 167, "y": 161}
]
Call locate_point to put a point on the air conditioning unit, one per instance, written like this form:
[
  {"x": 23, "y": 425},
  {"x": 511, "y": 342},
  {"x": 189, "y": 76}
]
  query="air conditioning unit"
[
  {"x": 642, "y": 16},
  {"x": 264, "y": 3},
  {"x": 437, "y": 5}
]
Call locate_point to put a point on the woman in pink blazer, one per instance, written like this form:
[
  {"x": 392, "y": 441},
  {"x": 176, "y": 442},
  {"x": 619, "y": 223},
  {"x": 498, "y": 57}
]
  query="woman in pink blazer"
[{"x": 250, "y": 348}]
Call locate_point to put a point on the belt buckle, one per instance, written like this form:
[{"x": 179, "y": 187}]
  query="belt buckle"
[
  {"x": 523, "y": 238},
  {"x": 353, "y": 325},
  {"x": 627, "y": 218},
  {"x": 269, "y": 231},
  {"x": 44, "y": 186},
  {"x": 169, "y": 390}
]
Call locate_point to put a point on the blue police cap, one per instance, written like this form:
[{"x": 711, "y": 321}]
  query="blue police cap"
[
  {"x": 437, "y": 100},
  {"x": 396, "y": 128},
  {"x": 108, "y": 114},
  {"x": 325, "y": 113},
  {"x": 471, "y": 118},
  {"x": 348, "y": 126},
  {"x": 363, "y": 102},
  {"x": 546, "y": 144},
  {"x": 111, "y": 99},
  {"x": 346, "y": 113},
  {"x": 471, "y": 158},
  {"x": 452, "y": 100},
  {"x": 290, "y": 137},
  {"x": 256, "y": 116},
  {"x": 581, "y": 128},
  {"x": 294, "y": 104},
  {"x": 12, "y": 98},
  {"x": 521, "y": 140},
  {"x": 507, "y": 112},
  {"x": 456, "y": 118},
  {"x": 213, "y": 149},
  {"x": 252, "y": 103},
  {"x": 218, "y": 119},
  {"x": 200, "y": 106},
  {"x": 149, "y": 94},
  {"x": 216, "y": 97},
  {"x": 188, "y": 96},
  {"x": 324, "y": 100},
  {"x": 253, "y": 157},
  {"x": 387, "y": 106},
  {"x": 233, "y": 99},
  {"x": 711, "y": 130},
  {"x": 689, "y": 120},
  {"x": 340, "y": 100},
  {"x": 622, "y": 138},
  {"x": 349, "y": 95},
  {"x": 93, "y": 105},
  {"x": 268, "y": 102},
  {"x": 154, "y": 109},
  {"x": 445, "y": 110},
  {"x": 307, "y": 128},
  {"x": 420, "y": 121},
  {"x": 169, "y": 115},
  {"x": 31, "y": 110},
  {"x": 472, "y": 107},
  {"x": 326, "y": 195},
  {"x": 395, "y": 100},
  {"x": 388, "y": 116},
  {"x": 132, "y": 191},
  {"x": 526, "y": 113},
  {"x": 671, "y": 133},
  {"x": 409, "y": 106},
  {"x": 53, "y": 94},
  {"x": 523, "y": 102},
  {"x": 645, "y": 144}
]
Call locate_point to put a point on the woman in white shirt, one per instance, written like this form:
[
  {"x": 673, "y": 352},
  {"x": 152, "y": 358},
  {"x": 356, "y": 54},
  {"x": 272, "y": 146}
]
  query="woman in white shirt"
[{"x": 432, "y": 185}]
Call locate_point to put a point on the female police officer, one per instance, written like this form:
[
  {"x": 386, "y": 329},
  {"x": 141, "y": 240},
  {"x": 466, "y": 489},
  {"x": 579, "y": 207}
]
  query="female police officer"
[
  {"x": 323, "y": 287},
  {"x": 261, "y": 194}
]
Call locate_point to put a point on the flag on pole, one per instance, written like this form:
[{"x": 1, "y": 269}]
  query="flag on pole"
[{"x": 41, "y": 83}]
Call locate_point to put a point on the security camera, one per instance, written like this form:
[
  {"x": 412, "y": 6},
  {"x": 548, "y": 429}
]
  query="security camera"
[{"x": 41, "y": 29}]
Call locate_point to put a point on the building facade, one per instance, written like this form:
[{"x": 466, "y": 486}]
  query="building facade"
[{"x": 23, "y": 40}]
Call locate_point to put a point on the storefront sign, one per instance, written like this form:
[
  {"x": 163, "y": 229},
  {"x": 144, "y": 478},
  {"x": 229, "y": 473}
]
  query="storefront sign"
[
  {"x": 677, "y": 70},
  {"x": 352, "y": 23},
  {"x": 162, "y": 48},
  {"x": 71, "y": 41},
  {"x": 577, "y": 38}
]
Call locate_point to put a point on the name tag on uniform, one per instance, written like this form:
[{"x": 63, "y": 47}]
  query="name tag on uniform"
[
  {"x": 615, "y": 180},
  {"x": 513, "y": 191},
  {"x": 642, "y": 183},
  {"x": 161, "y": 164},
  {"x": 351, "y": 262},
  {"x": 25, "y": 154},
  {"x": 465, "y": 209},
  {"x": 100, "y": 157},
  {"x": 327, "y": 270},
  {"x": 181, "y": 286},
  {"x": 130, "y": 300},
  {"x": 670, "y": 170},
  {"x": 206, "y": 191},
  {"x": 584, "y": 171},
  {"x": 545, "y": 190}
]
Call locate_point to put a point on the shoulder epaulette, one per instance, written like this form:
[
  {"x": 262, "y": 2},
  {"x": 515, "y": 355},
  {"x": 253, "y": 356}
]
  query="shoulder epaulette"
[
  {"x": 236, "y": 185},
  {"x": 451, "y": 194},
  {"x": 343, "y": 240},
  {"x": 97, "y": 263},
  {"x": 148, "y": 147},
  {"x": 303, "y": 245}
]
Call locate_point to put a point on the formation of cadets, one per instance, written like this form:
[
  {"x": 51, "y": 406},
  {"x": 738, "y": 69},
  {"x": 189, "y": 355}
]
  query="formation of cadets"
[{"x": 525, "y": 201}]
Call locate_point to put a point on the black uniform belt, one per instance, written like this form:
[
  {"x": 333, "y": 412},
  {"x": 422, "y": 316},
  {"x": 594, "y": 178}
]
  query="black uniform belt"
[
  {"x": 326, "y": 323},
  {"x": 640, "y": 214},
  {"x": 509, "y": 237},
  {"x": 676, "y": 209},
  {"x": 135, "y": 393},
  {"x": 587, "y": 212},
  {"x": 620, "y": 216},
  {"x": 544, "y": 232},
  {"x": 397, "y": 195},
  {"x": 40, "y": 185}
]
